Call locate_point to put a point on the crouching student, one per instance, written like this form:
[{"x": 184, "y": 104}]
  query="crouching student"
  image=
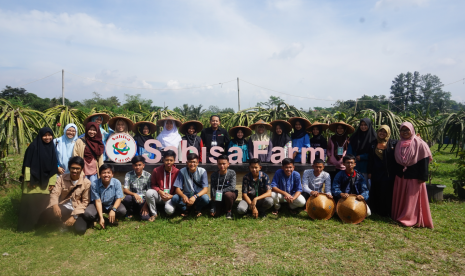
[
  {"x": 106, "y": 195},
  {"x": 315, "y": 179},
  {"x": 136, "y": 184},
  {"x": 69, "y": 198},
  {"x": 162, "y": 186},
  {"x": 223, "y": 189},
  {"x": 286, "y": 187},
  {"x": 256, "y": 191},
  {"x": 350, "y": 181},
  {"x": 191, "y": 187}
]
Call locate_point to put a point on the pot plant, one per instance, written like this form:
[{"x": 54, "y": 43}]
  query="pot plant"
[
  {"x": 459, "y": 182},
  {"x": 435, "y": 191}
]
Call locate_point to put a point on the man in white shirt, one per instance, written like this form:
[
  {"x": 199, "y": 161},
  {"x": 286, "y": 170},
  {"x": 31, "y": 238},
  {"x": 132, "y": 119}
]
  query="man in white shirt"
[{"x": 314, "y": 180}]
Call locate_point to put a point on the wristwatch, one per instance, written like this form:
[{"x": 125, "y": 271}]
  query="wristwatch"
[
  {"x": 114, "y": 209},
  {"x": 75, "y": 217}
]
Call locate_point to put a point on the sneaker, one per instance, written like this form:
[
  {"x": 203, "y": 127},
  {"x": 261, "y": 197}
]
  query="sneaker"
[{"x": 229, "y": 215}]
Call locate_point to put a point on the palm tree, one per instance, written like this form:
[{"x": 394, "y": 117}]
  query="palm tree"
[
  {"x": 60, "y": 115},
  {"x": 18, "y": 126}
]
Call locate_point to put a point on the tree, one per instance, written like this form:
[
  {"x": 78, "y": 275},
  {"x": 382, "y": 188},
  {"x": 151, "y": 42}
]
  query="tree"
[
  {"x": 135, "y": 103},
  {"x": 432, "y": 98},
  {"x": 272, "y": 102},
  {"x": 98, "y": 102},
  {"x": 20, "y": 97},
  {"x": 398, "y": 92}
]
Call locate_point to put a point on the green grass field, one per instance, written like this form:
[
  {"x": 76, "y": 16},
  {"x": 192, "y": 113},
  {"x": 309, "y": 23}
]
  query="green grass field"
[{"x": 284, "y": 245}]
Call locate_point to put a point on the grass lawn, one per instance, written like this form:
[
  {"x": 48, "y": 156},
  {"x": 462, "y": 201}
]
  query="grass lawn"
[{"x": 274, "y": 245}]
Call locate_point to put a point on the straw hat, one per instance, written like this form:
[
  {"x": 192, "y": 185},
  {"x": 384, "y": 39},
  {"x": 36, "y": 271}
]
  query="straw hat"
[
  {"x": 104, "y": 116},
  {"x": 323, "y": 126},
  {"x": 152, "y": 127},
  {"x": 321, "y": 207},
  {"x": 349, "y": 129},
  {"x": 161, "y": 122},
  {"x": 112, "y": 122},
  {"x": 247, "y": 131},
  {"x": 198, "y": 126},
  {"x": 285, "y": 124},
  {"x": 261, "y": 123},
  {"x": 306, "y": 123},
  {"x": 351, "y": 210}
]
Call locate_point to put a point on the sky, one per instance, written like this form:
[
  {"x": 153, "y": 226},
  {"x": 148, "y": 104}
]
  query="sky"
[{"x": 177, "y": 52}]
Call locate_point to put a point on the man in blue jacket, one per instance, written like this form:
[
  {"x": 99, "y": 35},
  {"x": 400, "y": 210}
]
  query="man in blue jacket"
[{"x": 350, "y": 181}]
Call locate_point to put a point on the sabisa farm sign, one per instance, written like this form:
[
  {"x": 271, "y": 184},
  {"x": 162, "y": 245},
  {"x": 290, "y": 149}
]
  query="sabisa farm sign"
[
  {"x": 121, "y": 148},
  {"x": 277, "y": 156}
]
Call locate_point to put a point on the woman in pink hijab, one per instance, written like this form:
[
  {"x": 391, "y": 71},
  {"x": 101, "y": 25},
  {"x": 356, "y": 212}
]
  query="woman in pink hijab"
[{"x": 410, "y": 205}]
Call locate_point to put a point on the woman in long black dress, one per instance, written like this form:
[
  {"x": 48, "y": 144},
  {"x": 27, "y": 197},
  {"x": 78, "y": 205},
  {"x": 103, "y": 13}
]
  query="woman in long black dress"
[
  {"x": 40, "y": 168},
  {"x": 381, "y": 170}
]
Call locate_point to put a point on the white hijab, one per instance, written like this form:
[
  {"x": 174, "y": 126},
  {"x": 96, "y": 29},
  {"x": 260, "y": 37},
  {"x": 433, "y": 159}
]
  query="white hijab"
[{"x": 169, "y": 138}]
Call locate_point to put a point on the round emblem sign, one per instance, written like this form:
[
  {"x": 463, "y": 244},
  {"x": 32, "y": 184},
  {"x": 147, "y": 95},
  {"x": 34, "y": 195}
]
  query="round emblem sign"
[{"x": 120, "y": 148}]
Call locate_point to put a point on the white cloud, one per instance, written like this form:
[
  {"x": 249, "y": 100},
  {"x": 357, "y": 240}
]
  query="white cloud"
[
  {"x": 400, "y": 3},
  {"x": 289, "y": 52},
  {"x": 335, "y": 59},
  {"x": 447, "y": 61}
]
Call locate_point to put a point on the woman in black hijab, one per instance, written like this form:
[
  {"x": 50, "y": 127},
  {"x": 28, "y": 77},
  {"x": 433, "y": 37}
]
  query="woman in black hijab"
[
  {"x": 144, "y": 132},
  {"x": 190, "y": 129},
  {"x": 361, "y": 144},
  {"x": 318, "y": 141},
  {"x": 40, "y": 168},
  {"x": 280, "y": 135}
]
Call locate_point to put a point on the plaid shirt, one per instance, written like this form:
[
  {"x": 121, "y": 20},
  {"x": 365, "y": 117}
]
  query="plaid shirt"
[
  {"x": 249, "y": 186},
  {"x": 138, "y": 185},
  {"x": 109, "y": 195}
]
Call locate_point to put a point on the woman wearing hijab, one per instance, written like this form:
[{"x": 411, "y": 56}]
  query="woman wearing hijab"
[
  {"x": 64, "y": 146},
  {"x": 261, "y": 127},
  {"x": 238, "y": 134},
  {"x": 90, "y": 148},
  {"x": 143, "y": 132},
  {"x": 382, "y": 172},
  {"x": 360, "y": 145},
  {"x": 299, "y": 137},
  {"x": 317, "y": 140},
  {"x": 169, "y": 136},
  {"x": 40, "y": 168},
  {"x": 280, "y": 135},
  {"x": 190, "y": 129},
  {"x": 100, "y": 119},
  {"x": 337, "y": 145},
  {"x": 410, "y": 205}
]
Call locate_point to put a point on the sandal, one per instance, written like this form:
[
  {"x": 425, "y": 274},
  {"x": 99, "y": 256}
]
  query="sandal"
[
  {"x": 197, "y": 214},
  {"x": 152, "y": 218},
  {"x": 293, "y": 211},
  {"x": 185, "y": 214},
  {"x": 275, "y": 212}
]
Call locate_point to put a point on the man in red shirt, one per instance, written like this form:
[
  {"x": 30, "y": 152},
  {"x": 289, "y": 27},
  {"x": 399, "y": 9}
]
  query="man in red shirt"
[{"x": 162, "y": 188}]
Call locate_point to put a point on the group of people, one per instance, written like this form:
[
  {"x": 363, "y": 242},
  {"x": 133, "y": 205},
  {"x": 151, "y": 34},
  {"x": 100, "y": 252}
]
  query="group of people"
[{"x": 66, "y": 179}]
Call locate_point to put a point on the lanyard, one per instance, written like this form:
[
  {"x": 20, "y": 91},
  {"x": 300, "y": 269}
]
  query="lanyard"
[
  {"x": 218, "y": 185},
  {"x": 342, "y": 144},
  {"x": 164, "y": 181},
  {"x": 256, "y": 184},
  {"x": 191, "y": 175}
]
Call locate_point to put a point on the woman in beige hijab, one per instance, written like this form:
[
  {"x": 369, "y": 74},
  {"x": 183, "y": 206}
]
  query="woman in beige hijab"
[{"x": 381, "y": 171}]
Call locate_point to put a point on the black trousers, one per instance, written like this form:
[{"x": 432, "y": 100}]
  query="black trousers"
[
  {"x": 91, "y": 213},
  {"x": 48, "y": 217}
]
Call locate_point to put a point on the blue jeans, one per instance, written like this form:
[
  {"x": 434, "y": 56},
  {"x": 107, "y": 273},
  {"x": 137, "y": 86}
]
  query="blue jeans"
[
  {"x": 92, "y": 178},
  {"x": 198, "y": 204}
]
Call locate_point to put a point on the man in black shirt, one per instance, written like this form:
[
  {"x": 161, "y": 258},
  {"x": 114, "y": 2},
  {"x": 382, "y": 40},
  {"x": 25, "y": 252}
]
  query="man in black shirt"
[{"x": 215, "y": 136}]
